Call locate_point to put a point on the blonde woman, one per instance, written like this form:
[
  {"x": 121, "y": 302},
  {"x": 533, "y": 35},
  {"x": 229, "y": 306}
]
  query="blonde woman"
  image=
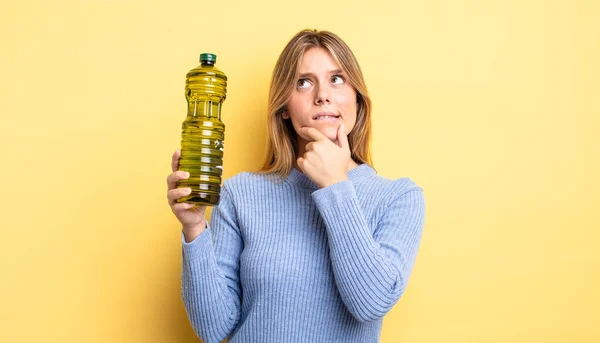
[{"x": 315, "y": 246}]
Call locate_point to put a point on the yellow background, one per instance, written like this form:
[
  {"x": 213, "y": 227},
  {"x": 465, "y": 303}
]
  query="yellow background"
[{"x": 491, "y": 106}]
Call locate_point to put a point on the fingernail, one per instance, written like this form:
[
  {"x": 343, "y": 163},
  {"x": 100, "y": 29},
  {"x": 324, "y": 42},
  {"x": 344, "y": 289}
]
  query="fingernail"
[
  {"x": 187, "y": 174},
  {"x": 188, "y": 191}
]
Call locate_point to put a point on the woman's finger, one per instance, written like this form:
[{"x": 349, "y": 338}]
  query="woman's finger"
[
  {"x": 176, "y": 176},
  {"x": 175, "y": 160},
  {"x": 303, "y": 163},
  {"x": 174, "y": 194},
  {"x": 182, "y": 206}
]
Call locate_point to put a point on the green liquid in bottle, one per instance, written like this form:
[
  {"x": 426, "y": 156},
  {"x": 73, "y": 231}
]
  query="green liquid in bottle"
[{"x": 203, "y": 133}]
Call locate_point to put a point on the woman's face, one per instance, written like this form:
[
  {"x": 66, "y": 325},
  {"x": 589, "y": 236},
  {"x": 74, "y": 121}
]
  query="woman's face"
[{"x": 322, "y": 98}]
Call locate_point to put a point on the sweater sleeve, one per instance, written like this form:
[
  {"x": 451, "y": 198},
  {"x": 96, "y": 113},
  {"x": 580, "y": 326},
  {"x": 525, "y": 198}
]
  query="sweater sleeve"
[
  {"x": 211, "y": 290},
  {"x": 371, "y": 265}
]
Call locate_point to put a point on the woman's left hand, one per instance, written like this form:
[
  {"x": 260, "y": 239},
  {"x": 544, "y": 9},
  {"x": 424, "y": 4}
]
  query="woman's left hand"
[{"x": 325, "y": 162}]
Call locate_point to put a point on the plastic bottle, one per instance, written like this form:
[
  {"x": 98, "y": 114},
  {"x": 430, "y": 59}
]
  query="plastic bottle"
[{"x": 203, "y": 132}]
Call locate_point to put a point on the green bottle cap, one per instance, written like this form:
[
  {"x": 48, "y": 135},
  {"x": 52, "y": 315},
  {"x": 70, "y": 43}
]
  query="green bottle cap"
[{"x": 207, "y": 58}]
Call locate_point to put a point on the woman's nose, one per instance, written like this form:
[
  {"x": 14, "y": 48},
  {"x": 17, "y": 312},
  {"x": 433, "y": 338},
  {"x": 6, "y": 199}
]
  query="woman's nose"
[{"x": 323, "y": 96}]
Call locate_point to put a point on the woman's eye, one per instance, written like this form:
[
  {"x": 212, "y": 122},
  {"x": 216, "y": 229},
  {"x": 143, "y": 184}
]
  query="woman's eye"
[
  {"x": 337, "y": 79},
  {"x": 302, "y": 83}
]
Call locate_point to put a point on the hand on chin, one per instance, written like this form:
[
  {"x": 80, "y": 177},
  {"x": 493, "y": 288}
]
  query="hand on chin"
[{"x": 329, "y": 132}]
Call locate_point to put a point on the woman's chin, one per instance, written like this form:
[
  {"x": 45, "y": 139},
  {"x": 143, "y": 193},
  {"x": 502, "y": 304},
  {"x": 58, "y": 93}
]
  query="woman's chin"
[{"x": 329, "y": 132}]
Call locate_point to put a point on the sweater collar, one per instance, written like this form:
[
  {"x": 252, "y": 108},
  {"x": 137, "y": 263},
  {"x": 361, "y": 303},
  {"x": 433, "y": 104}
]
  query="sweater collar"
[{"x": 355, "y": 175}]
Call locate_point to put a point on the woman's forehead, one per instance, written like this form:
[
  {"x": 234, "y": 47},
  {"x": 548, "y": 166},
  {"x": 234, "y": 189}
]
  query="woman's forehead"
[{"x": 318, "y": 60}]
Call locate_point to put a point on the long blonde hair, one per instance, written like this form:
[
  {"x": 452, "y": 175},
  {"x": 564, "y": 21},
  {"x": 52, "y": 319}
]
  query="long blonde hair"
[{"x": 282, "y": 138}]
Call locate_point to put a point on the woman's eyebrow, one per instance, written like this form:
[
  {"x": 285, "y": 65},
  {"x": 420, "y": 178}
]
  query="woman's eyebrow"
[{"x": 335, "y": 71}]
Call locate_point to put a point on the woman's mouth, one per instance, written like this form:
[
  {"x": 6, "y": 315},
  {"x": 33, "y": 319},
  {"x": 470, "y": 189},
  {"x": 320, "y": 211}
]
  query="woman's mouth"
[{"x": 326, "y": 117}]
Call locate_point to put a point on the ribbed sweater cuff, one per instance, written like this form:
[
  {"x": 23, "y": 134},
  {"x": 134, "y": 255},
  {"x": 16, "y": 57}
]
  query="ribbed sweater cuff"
[
  {"x": 200, "y": 248},
  {"x": 334, "y": 195}
]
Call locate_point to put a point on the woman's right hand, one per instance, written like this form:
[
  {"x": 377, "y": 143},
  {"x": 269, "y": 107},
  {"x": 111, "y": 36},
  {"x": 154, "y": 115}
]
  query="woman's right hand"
[{"x": 191, "y": 216}]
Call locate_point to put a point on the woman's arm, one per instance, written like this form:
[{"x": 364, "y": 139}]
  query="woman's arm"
[
  {"x": 371, "y": 266},
  {"x": 211, "y": 290}
]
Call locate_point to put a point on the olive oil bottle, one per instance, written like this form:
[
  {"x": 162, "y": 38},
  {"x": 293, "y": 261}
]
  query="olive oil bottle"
[{"x": 203, "y": 132}]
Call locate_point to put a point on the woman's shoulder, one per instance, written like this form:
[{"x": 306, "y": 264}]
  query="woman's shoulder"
[
  {"x": 404, "y": 184},
  {"x": 395, "y": 193},
  {"x": 388, "y": 189},
  {"x": 400, "y": 184}
]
